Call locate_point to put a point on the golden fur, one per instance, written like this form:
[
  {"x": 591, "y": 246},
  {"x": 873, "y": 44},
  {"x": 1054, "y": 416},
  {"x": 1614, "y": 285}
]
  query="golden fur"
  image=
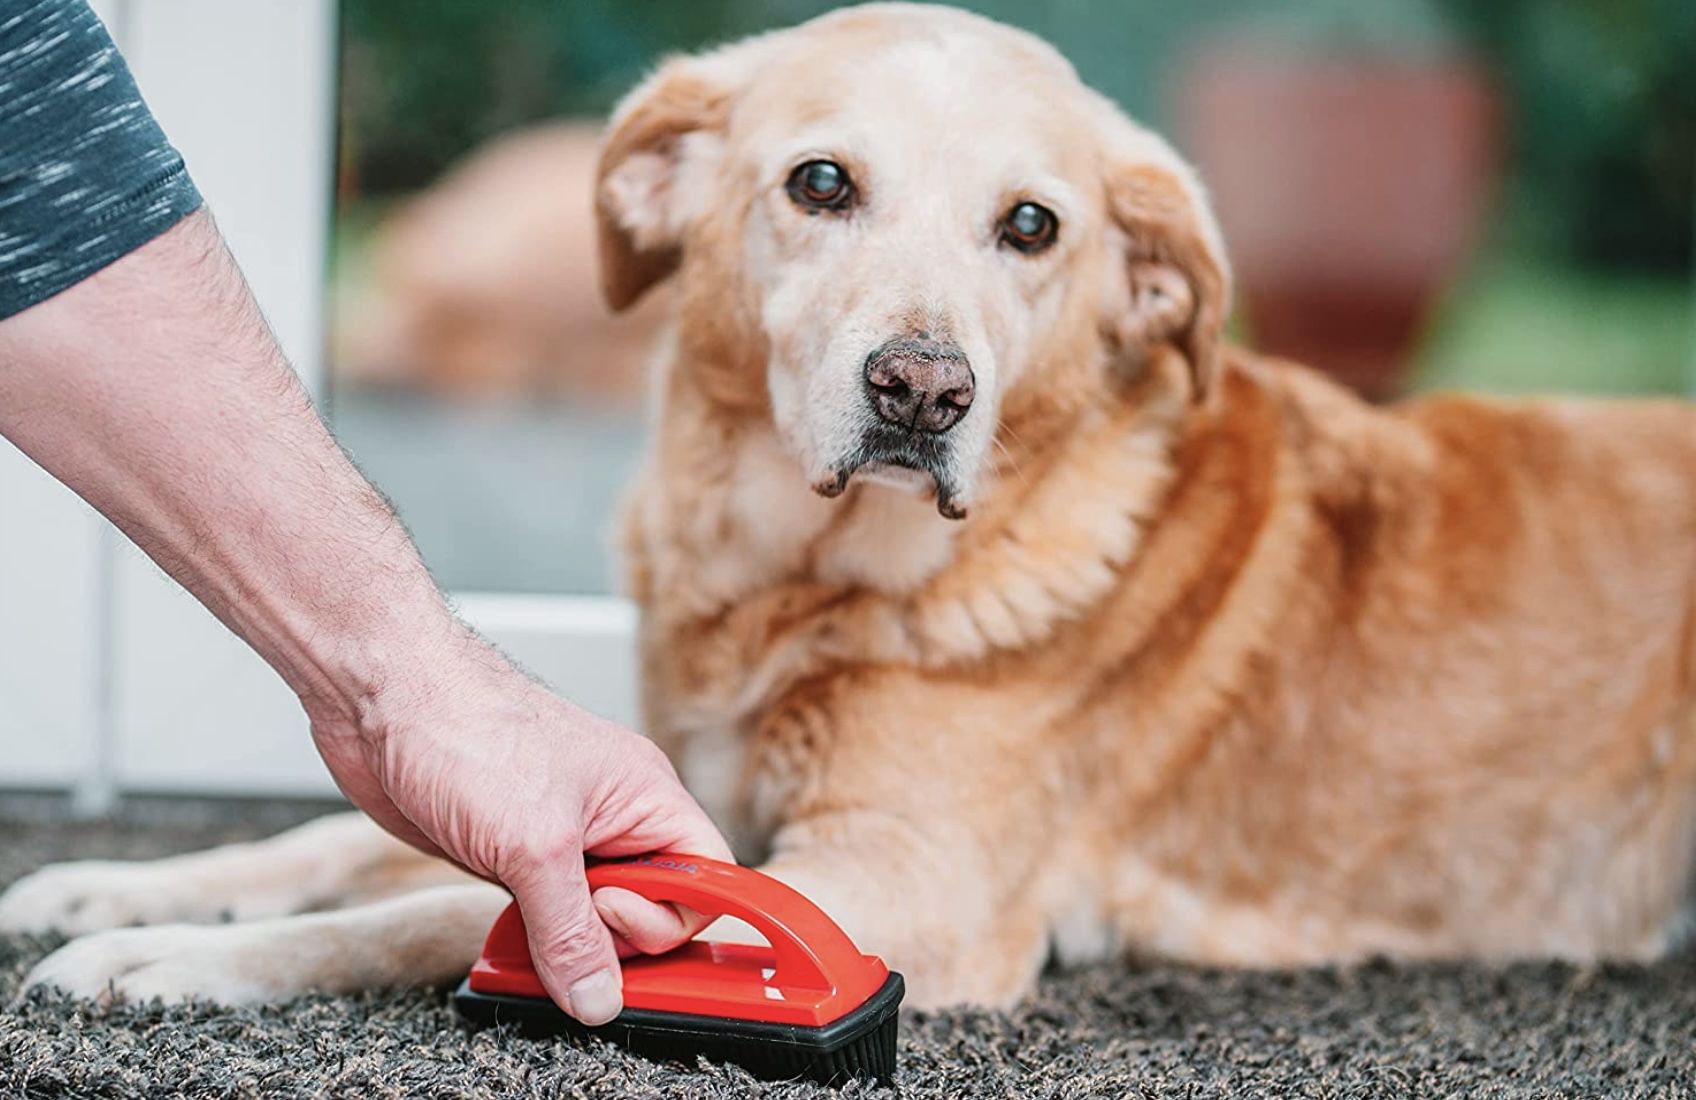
[{"x": 1225, "y": 664}]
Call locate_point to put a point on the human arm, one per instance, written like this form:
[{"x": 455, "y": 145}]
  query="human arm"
[{"x": 154, "y": 389}]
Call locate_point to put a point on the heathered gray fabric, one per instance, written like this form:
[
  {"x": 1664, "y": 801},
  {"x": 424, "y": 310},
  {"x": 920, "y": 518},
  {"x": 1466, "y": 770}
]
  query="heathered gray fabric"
[
  {"x": 86, "y": 175},
  {"x": 1111, "y": 1031}
]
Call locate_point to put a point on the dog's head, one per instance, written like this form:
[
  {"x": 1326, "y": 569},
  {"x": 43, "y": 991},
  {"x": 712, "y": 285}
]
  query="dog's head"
[{"x": 896, "y": 222}]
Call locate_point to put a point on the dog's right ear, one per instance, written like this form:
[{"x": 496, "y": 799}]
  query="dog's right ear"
[{"x": 672, "y": 122}]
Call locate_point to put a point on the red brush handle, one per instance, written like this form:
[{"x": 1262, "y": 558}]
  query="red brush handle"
[
  {"x": 809, "y": 975},
  {"x": 811, "y": 951}
]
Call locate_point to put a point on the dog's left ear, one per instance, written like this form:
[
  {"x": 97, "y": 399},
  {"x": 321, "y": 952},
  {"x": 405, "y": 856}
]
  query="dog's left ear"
[{"x": 1177, "y": 280}]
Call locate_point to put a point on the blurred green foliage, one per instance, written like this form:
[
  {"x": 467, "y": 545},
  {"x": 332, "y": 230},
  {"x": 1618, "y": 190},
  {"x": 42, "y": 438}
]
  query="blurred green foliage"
[
  {"x": 1602, "y": 93},
  {"x": 423, "y": 81},
  {"x": 1603, "y": 101},
  {"x": 1516, "y": 327}
]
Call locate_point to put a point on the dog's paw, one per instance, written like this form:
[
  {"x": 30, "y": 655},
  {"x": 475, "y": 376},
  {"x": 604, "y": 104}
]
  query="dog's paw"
[
  {"x": 90, "y": 896},
  {"x": 229, "y": 964}
]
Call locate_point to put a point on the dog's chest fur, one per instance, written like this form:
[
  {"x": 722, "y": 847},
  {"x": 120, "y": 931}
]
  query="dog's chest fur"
[
  {"x": 1201, "y": 693},
  {"x": 769, "y": 600}
]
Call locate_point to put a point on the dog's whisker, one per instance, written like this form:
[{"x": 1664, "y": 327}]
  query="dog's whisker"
[{"x": 1012, "y": 460}]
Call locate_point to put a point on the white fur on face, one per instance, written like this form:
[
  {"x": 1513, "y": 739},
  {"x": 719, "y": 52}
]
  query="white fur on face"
[
  {"x": 944, "y": 122},
  {"x": 936, "y": 164}
]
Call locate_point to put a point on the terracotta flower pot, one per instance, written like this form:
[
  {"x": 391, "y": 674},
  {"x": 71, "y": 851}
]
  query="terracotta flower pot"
[{"x": 1351, "y": 187}]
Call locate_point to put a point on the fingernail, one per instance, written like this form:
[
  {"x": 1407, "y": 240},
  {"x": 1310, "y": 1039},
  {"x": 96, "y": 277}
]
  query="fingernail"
[{"x": 597, "y": 998}]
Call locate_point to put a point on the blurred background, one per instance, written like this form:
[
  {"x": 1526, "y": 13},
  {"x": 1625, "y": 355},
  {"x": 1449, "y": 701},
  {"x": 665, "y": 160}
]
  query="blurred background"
[
  {"x": 1487, "y": 194},
  {"x": 1482, "y": 194}
]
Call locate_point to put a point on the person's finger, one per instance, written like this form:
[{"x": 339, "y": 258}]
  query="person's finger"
[
  {"x": 653, "y": 927},
  {"x": 571, "y": 947},
  {"x": 683, "y": 827},
  {"x": 697, "y": 836},
  {"x": 624, "y": 949},
  {"x": 650, "y": 927},
  {"x": 643, "y": 807},
  {"x": 670, "y": 821}
]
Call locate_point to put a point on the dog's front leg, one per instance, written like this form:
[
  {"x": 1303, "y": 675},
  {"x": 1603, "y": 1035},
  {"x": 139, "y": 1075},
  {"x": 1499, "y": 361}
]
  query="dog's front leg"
[
  {"x": 340, "y": 859},
  {"x": 941, "y": 913},
  {"x": 430, "y": 937}
]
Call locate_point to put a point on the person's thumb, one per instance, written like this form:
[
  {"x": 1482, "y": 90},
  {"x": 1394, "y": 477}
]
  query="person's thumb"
[{"x": 572, "y": 949}]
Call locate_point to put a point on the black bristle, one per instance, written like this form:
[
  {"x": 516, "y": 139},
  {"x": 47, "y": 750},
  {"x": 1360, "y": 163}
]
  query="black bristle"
[{"x": 859, "y": 1045}]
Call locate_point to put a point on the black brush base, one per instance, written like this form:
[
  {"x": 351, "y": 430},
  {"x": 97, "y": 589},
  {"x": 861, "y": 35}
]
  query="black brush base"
[{"x": 859, "y": 1045}]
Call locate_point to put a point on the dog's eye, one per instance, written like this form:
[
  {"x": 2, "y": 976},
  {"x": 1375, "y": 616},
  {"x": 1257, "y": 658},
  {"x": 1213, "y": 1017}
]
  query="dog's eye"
[
  {"x": 1029, "y": 227},
  {"x": 820, "y": 185}
]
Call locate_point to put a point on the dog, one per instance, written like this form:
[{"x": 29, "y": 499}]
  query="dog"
[{"x": 997, "y": 602}]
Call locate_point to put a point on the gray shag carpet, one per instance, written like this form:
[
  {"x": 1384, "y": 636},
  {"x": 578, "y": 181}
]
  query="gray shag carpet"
[{"x": 1108, "y": 1031}]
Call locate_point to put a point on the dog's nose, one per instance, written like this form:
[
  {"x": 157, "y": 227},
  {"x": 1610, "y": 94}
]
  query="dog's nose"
[{"x": 922, "y": 384}]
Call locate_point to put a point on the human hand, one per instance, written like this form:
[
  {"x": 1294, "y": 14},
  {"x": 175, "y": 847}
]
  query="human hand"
[{"x": 478, "y": 763}]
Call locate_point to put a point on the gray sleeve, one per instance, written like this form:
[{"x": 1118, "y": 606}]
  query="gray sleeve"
[{"x": 86, "y": 174}]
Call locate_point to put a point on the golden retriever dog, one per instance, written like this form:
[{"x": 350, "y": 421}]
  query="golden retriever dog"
[{"x": 992, "y": 599}]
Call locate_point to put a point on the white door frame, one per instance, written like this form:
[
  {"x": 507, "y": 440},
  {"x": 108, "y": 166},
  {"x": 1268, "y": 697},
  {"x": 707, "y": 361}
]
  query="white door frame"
[{"x": 140, "y": 689}]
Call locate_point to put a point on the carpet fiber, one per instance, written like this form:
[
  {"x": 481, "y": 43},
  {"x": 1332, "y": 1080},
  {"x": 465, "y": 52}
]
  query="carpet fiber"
[{"x": 1108, "y": 1031}]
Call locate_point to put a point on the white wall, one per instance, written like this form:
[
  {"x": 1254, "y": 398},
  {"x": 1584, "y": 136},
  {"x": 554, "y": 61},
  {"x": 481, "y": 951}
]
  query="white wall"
[{"x": 50, "y": 615}]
